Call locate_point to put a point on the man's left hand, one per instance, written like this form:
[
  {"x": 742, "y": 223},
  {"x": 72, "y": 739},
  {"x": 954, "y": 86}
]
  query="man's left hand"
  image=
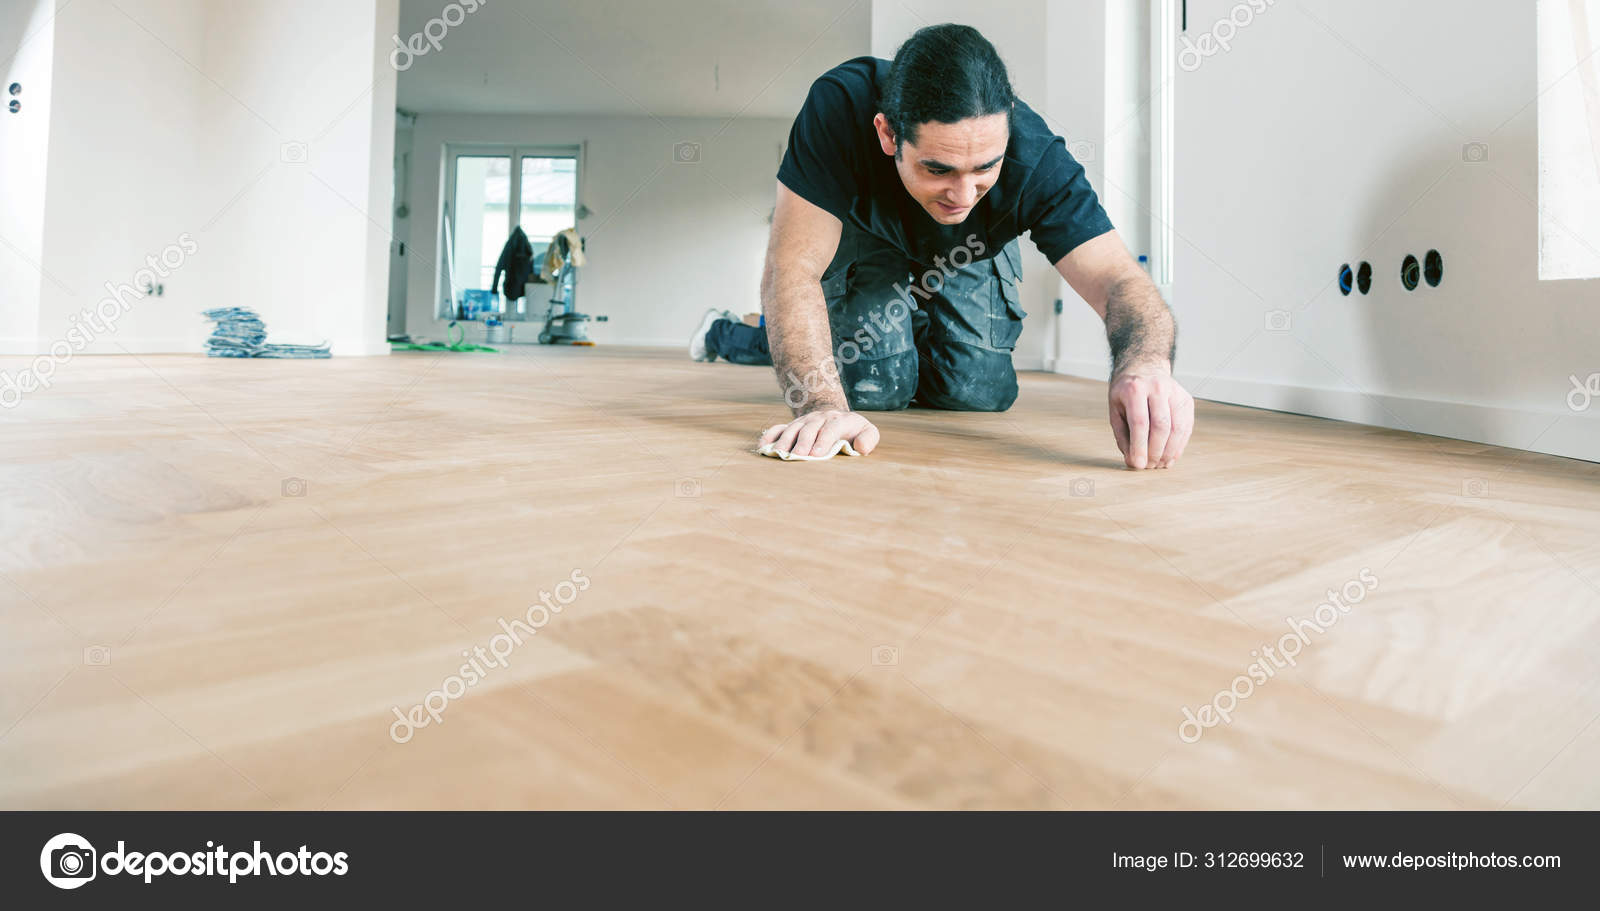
[{"x": 1151, "y": 415}]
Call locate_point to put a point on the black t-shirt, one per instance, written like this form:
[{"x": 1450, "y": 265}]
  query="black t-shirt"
[{"x": 835, "y": 162}]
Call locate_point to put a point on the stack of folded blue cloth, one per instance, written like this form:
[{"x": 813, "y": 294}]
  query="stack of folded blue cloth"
[{"x": 240, "y": 332}]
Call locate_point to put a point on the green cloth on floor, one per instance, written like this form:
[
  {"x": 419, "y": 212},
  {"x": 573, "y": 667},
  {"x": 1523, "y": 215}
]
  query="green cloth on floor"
[
  {"x": 458, "y": 342},
  {"x": 439, "y": 346}
]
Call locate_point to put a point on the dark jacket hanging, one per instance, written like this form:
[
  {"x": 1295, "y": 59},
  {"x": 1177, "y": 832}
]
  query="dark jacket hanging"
[{"x": 516, "y": 261}]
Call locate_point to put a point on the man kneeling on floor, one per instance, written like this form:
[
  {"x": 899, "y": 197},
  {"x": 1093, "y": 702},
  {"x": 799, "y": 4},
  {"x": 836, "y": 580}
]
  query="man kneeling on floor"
[{"x": 891, "y": 270}]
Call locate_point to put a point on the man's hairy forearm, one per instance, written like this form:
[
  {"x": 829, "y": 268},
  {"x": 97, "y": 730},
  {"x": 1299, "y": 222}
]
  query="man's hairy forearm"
[
  {"x": 1139, "y": 325},
  {"x": 801, "y": 341}
]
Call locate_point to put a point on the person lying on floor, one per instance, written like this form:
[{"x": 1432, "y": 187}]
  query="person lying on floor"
[
  {"x": 736, "y": 339},
  {"x": 891, "y": 269}
]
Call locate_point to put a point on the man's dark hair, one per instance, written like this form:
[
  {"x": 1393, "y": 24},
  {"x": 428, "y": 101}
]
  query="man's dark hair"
[{"x": 944, "y": 73}]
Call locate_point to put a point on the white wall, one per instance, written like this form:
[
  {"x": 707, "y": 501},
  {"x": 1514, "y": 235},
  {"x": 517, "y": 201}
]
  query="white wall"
[
  {"x": 27, "y": 47},
  {"x": 167, "y": 120},
  {"x": 1077, "y": 93},
  {"x": 306, "y": 244},
  {"x": 1333, "y": 132},
  {"x": 618, "y": 58},
  {"x": 665, "y": 240},
  {"x": 1124, "y": 159},
  {"x": 123, "y": 154},
  {"x": 400, "y": 251},
  {"x": 376, "y": 123},
  {"x": 1569, "y": 139}
]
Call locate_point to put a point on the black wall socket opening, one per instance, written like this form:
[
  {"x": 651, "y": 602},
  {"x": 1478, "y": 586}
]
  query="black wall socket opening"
[{"x": 1410, "y": 272}]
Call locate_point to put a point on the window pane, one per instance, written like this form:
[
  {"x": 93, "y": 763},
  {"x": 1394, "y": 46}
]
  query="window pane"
[
  {"x": 482, "y": 218},
  {"x": 549, "y": 198}
]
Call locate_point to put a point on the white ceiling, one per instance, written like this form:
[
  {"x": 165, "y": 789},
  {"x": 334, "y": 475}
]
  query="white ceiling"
[{"x": 688, "y": 58}]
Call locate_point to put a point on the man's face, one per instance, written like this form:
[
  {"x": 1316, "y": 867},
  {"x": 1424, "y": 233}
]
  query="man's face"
[{"x": 951, "y": 165}]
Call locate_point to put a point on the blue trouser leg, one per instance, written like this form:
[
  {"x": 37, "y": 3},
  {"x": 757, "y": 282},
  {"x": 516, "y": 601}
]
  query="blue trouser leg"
[{"x": 739, "y": 343}]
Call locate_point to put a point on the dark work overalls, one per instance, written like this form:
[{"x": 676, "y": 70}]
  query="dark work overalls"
[{"x": 906, "y": 333}]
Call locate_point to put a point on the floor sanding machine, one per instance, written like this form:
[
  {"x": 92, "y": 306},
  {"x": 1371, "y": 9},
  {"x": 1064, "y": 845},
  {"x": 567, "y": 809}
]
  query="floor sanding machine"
[{"x": 563, "y": 324}]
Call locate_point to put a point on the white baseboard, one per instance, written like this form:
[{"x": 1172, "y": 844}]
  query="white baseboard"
[
  {"x": 1084, "y": 367},
  {"x": 147, "y": 345},
  {"x": 1569, "y": 434},
  {"x": 104, "y": 345},
  {"x": 360, "y": 349}
]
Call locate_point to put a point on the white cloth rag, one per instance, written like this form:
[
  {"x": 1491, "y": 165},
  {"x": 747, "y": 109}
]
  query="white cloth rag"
[{"x": 771, "y": 449}]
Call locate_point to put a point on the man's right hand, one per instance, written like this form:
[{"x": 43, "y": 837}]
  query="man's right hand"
[
  {"x": 805, "y": 240},
  {"x": 814, "y": 433}
]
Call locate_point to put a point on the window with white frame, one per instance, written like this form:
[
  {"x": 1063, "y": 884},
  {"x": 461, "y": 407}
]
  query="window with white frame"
[{"x": 488, "y": 191}]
